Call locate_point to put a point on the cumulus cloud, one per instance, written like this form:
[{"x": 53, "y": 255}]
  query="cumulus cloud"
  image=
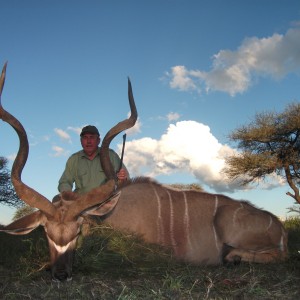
[
  {"x": 63, "y": 134},
  {"x": 233, "y": 72},
  {"x": 183, "y": 79},
  {"x": 186, "y": 147}
]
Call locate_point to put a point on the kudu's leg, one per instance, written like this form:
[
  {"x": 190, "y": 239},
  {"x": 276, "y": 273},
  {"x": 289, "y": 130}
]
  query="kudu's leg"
[
  {"x": 262, "y": 256},
  {"x": 249, "y": 234}
]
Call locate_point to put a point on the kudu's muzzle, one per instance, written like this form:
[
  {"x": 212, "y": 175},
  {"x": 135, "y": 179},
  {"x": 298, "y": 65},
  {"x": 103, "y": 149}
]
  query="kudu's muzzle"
[{"x": 61, "y": 269}]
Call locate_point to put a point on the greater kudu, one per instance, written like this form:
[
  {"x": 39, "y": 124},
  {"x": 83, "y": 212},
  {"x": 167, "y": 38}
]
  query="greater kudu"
[
  {"x": 198, "y": 227},
  {"x": 61, "y": 220}
]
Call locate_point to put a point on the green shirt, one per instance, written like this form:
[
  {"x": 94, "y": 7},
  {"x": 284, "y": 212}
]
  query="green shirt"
[{"x": 85, "y": 173}]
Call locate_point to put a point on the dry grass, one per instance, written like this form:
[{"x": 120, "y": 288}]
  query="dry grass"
[{"x": 112, "y": 265}]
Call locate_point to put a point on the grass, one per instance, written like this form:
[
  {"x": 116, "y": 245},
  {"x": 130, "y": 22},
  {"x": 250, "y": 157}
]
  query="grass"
[{"x": 113, "y": 265}]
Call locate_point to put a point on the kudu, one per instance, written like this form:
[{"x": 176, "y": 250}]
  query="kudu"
[
  {"x": 198, "y": 227},
  {"x": 61, "y": 220}
]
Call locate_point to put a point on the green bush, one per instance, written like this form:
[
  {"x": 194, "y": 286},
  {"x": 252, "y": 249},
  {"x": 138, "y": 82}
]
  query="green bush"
[{"x": 292, "y": 226}]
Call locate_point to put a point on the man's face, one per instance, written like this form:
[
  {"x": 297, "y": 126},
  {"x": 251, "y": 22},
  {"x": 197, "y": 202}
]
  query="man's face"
[{"x": 89, "y": 143}]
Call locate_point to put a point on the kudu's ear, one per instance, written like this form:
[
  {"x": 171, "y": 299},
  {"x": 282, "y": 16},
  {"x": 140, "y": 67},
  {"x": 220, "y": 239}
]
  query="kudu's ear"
[
  {"x": 25, "y": 224},
  {"x": 104, "y": 208}
]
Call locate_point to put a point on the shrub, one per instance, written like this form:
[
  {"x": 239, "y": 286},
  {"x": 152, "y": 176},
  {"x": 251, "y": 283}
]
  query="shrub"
[{"x": 292, "y": 226}]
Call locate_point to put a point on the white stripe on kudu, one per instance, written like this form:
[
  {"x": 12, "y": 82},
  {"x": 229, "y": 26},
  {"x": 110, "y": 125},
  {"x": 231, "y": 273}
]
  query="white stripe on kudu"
[
  {"x": 173, "y": 242},
  {"x": 214, "y": 229},
  {"x": 186, "y": 221},
  {"x": 160, "y": 226}
]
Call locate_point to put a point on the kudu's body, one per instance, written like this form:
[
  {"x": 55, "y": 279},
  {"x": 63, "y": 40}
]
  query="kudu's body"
[{"x": 199, "y": 227}]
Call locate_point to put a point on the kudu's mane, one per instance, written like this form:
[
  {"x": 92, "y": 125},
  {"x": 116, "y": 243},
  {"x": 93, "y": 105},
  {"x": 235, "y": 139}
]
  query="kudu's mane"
[{"x": 137, "y": 180}]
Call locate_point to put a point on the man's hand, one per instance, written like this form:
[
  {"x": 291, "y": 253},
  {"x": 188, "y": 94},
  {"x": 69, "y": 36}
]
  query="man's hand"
[{"x": 122, "y": 175}]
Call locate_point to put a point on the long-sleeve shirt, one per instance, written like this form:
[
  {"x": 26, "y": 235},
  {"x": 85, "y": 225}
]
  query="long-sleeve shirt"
[{"x": 85, "y": 173}]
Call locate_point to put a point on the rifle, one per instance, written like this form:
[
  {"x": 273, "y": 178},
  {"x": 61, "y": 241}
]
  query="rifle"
[{"x": 122, "y": 155}]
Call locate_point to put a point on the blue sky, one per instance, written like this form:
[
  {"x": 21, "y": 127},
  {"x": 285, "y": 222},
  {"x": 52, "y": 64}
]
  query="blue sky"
[{"x": 199, "y": 69}]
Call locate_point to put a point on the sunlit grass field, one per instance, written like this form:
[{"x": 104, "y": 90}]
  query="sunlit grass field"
[{"x": 114, "y": 265}]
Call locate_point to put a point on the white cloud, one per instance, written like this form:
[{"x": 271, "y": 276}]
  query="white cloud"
[
  {"x": 170, "y": 117},
  {"x": 59, "y": 151},
  {"x": 136, "y": 128},
  {"x": 233, "y": 72},
  {"x": 173, "y": 116},
  {"x": 12, "y": 157},
  {"x": 187, "y": 146},
  {"x": 77, "y": 130},
  {"x": 183, "y": 79},
  {"x": 63, "y": 134}
]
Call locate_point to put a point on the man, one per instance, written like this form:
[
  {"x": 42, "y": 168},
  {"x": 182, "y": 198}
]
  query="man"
[{"x": 84, "y": 168}]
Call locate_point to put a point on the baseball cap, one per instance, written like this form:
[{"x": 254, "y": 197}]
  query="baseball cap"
[{"x": 89, "y": 129}]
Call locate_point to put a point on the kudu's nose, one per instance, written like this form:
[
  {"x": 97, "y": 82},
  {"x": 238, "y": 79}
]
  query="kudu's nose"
[{"x": 61, "y": 275}]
